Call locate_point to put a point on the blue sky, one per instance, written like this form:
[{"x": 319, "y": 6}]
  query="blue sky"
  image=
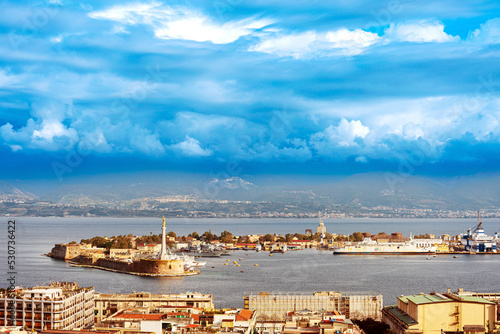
[{"x": 334, "y": 87}]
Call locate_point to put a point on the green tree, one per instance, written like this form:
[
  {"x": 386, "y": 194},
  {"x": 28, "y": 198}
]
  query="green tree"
[
  {"x": 269, "y": 237},
  {"x": 226, "y": 237},
  {"x": 194, "y": 235},
  {"x": 208, "y": 236},
  {"x": 371, "y": 326},
  {"x": 358, "y": 236}
]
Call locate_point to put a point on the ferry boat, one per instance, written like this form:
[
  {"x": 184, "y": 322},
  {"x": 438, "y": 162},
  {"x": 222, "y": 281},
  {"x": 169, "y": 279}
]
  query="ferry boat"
[
  {"x": 370, "y": 247},
  {"x": 476, "y": 241}
]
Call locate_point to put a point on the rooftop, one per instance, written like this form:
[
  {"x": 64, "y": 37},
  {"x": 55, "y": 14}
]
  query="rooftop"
[
  {"x": 403, "y": 316},
  {"x": 425, "y": 299},
  {"x": 439, "y": 298}
]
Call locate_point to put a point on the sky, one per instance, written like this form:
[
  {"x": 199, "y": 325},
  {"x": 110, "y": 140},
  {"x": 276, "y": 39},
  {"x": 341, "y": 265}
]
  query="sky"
[{"x": 275, "y": 87}]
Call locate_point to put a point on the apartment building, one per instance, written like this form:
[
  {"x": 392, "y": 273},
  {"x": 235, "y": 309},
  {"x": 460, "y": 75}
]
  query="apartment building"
[
  {"x": 108, "y": 304},
  {"x": 353, "y": 305},
  {"x": 437, "y": 313},
  {"x": 61, "y": 306}
]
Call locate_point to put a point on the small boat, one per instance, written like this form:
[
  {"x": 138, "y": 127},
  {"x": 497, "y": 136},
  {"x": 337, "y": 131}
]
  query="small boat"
[
  {"x": 256, "y": 265},
  {"x": 455, "y": 257}
]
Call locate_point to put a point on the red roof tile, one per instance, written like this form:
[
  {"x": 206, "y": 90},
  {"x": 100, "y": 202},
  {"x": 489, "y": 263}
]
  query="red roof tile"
[{"x": 246, "y": 314}]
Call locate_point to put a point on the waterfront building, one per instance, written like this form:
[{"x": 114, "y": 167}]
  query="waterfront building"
[
  {"x": 441, "y": 313},
  {"x": 62, "y": 306},
  {"x": 352, "y": 305},
  {"x": 108, "y": 304}
]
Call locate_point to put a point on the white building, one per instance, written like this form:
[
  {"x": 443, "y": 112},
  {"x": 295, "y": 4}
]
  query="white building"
[{"x": 59, "y": 306}]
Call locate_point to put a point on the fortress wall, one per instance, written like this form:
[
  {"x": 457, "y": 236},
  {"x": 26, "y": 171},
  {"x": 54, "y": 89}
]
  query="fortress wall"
[
  {"x": 65, "y": 251},
  {"x": 114, "y": 264},
  {"x": 163, "y": 267}
]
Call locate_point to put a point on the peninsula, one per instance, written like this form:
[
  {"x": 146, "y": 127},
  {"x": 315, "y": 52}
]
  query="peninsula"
[{"x": 153, "y": 264}]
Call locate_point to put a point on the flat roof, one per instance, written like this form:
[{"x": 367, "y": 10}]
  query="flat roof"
[
  {"x": 403, "y": 316},
  {"x": 476, "y": 300},
  {"x": 438, "y": 298},
  {"x": 425, "y": 299},
  {"x": 43, "y": 290}
]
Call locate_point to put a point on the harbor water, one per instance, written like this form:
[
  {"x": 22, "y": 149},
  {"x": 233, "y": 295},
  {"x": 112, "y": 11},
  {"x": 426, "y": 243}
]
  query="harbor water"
[{"x": 306, "y": 270}]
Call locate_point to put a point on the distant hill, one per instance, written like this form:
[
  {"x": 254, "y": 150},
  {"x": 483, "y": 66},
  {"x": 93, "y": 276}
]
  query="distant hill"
[
  {"x": 7, "y": 190},
  {"x": 367, "y": 190}
]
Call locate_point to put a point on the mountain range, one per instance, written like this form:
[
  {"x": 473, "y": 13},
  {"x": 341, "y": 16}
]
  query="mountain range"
[{"x": 366, "y": 190}]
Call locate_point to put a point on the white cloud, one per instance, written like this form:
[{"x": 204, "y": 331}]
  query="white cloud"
[
  {"x": 346, "y": 133},
  {"x": 388, "y": 129},
  {"x": 192, "y": 148},
  {"x": 52, "y": 128},
  {"x": 294, "y": 45},
  {"x": 180, "y": 23},
  {"x": 339, "y": 42},
  {"x": 489, "y": 33},
  {"x": 350, "y": 42},
  {"x": 419, "y": 32}
]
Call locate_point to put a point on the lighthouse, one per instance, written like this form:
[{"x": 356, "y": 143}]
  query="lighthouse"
[{"x": 163, "y": 253}]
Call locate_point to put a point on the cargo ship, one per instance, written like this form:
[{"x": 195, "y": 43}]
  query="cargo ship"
[
  {"x": 370, "y": 247},
  {"x": 476, "y": 241}
]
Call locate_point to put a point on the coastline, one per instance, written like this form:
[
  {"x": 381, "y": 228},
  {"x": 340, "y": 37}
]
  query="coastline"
[{"x": 186, "y": 273}]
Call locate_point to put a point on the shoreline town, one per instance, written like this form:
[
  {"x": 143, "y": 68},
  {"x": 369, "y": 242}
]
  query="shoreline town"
[
  {"x": 67, "y": 308},
  {"x": 170, "y": 255}
]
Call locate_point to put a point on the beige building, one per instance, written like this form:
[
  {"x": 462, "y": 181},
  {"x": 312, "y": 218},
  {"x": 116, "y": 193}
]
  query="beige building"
[
  {"x": 108, "y": 304},
  {"x": 61, "y": 306},
  {"x": 441, "y": 313},
  {"x": 352, "y": 305}
]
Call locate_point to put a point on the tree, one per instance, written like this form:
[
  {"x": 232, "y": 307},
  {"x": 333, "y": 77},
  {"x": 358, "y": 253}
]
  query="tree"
[
  {"x": 316, "y": 236},
  {"x": 72, "y": 242},
  {"x": 226, "y": 237},
  {"x": 208, "y": 236},
  {"x": 340, "y": 238},
  {"x": 269, "y": 237},
  {"x": 371, "y": 326},
  {"x": 194, "y": 235},
  {"x": 171, "y": 234},
  {"x": 358, "y": 236}
]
